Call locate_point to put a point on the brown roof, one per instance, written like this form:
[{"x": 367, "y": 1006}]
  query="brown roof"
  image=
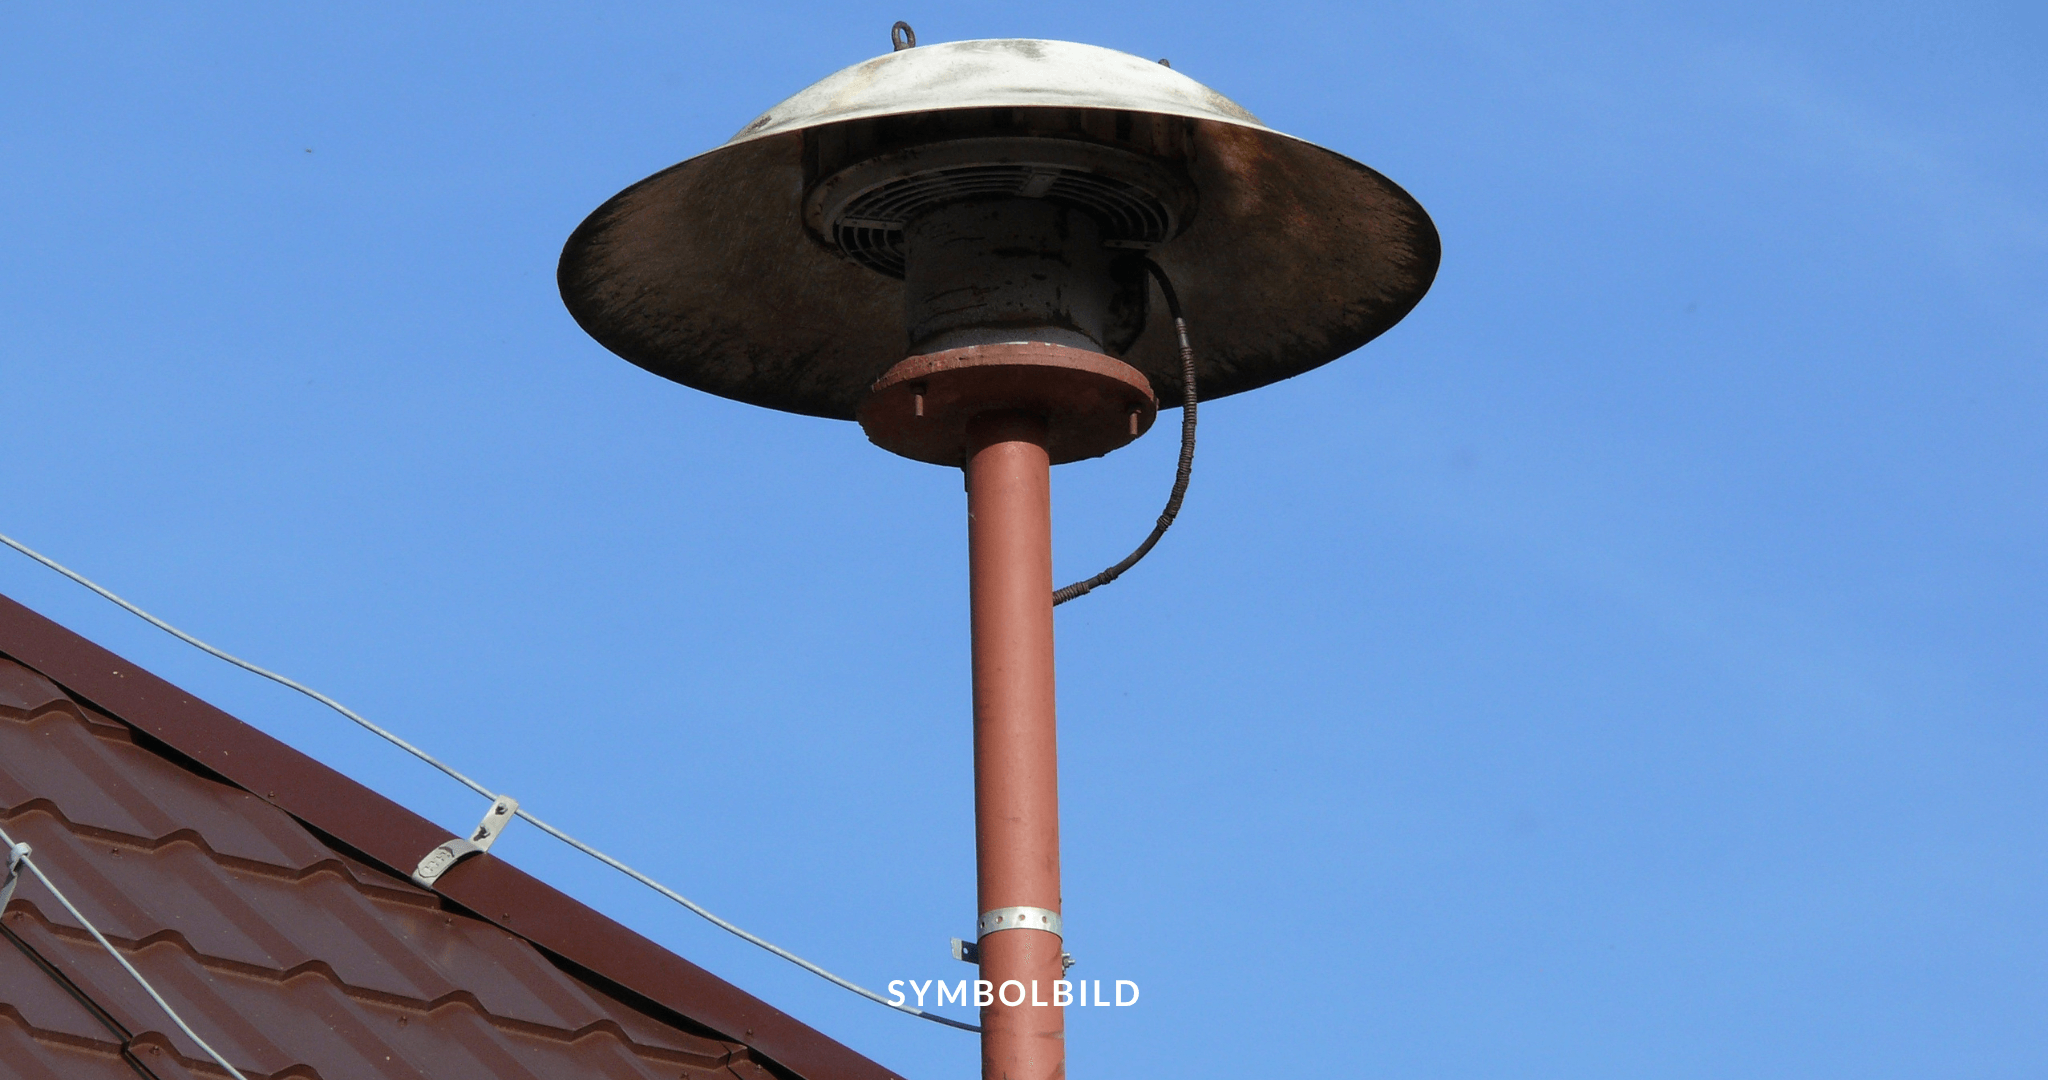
[{"x": 266, "y": 897}]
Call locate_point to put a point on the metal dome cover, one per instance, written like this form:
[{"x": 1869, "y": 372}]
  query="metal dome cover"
[
  {"x": 707, "y": 274},
  {"x": 999, "y": 73}
]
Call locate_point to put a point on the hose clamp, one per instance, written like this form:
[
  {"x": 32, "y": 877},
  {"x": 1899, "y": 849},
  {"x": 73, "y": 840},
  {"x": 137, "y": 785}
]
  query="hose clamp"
[{"x": 1020, "y": 918}]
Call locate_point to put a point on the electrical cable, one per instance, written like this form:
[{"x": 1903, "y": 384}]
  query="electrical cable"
[
  {"x": 736, "y": 931},
  {"x": 1060, "y": 596},
  {"x": 18, "y": 856},
  {"x": 430, "y": 759},
  {"x": 249, "y": 667},
  {"x": 1187, "y": 451}
]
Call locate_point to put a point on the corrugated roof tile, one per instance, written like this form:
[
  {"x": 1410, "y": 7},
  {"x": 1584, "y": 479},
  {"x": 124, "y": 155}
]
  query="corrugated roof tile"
[
  {"x": 43, "y": 1056},
  {"x": 26, "y": 691},
  {"x": 103, "y": 780},
  {"x": 292, "y": 958}
]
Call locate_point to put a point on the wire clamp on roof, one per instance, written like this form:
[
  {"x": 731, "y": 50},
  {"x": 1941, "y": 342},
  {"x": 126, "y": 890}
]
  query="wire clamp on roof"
[
  {"x": 15, "y": 854},
  {"x": 454, "y": 851}
]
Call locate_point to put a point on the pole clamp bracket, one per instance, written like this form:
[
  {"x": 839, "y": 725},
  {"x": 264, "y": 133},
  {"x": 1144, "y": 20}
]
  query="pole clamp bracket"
[
  {"x": 1019, "y": 918},
  {"x": 454, "y": 851}
]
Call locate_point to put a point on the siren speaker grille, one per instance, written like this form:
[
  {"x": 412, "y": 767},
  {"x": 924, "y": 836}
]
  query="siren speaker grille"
[{"x": 868, "y": 227}]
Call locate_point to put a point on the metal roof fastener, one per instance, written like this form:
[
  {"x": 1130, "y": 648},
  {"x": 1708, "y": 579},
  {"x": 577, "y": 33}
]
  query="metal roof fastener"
[{"x": 437, "y": 861}]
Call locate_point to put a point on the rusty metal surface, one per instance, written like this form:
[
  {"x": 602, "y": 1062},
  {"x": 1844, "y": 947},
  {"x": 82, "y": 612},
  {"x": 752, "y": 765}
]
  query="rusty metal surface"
[
  {"x": 706, "y": 274},
  {"x": 1092, "y": 404},
  {"x": 293, "y": 955},
  {"x": 1016, "y": 751},
  {"x": 996, "y": 73}
]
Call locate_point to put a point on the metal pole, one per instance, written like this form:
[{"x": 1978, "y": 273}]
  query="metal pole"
[{"x": 1016, "y": 767}]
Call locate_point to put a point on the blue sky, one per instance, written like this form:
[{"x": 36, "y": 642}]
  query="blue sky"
[{"x": 1629, "y": 665}]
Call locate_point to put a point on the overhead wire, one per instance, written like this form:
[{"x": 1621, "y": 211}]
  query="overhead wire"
[
  {"x": 1182, "y": 473},
  {"x": 18, "y": 856},
  {"x": 459, "y": 777}
]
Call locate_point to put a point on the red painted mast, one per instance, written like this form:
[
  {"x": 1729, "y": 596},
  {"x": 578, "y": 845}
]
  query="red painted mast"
[{"x": 1016, "y": 767}]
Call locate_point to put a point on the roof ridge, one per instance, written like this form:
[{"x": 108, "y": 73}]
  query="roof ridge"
[
  {"x": 406, "y": 893},
  {"x": 321, "y": 969},
  {"x": 347, "y": 816}
]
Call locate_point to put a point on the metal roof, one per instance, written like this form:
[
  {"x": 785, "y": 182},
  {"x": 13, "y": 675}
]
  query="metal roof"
[{"x": 261, "y": 893}]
